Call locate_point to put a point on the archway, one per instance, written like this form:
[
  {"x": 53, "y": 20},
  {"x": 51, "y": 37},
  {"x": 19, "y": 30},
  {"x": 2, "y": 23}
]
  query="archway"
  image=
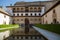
[
  {"x": 54, "y": 21},
  {"x": 26, "y": 25}
]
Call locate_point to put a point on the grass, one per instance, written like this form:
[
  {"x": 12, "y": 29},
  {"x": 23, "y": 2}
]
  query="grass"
[
  {"x": 50, "y": 27},
  {"x": 8, "y": 27}
]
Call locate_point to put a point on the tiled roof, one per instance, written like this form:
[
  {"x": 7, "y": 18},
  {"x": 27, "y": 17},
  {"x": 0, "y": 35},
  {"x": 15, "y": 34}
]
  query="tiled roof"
[{"x": 3, "y": 11}]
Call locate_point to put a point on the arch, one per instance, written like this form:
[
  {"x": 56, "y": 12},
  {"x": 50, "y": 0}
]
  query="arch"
[
  {"x": 54, "y": 21},
  {"x": 26, "y": 25},
  {"x": 54, "y": 16}
]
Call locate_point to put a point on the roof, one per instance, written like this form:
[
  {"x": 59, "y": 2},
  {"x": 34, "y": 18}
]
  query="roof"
[
  {"x": 4, "y": 12},
  {"x": 56, "y": 4},
  {"x": 31, "y": 3}
]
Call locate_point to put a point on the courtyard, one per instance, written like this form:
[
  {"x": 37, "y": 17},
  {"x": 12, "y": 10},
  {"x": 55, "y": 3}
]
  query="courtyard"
[{"x": 30, "y": 20}]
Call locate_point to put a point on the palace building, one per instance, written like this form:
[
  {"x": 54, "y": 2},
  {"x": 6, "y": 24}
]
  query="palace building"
[
  {"x": 30, "y": 10},
  {"x": 52, "y": 15},
  {"x": 45, "y": 12},
  {"x": 5, "y": 18},
  {"x": 35, "y": 12}
]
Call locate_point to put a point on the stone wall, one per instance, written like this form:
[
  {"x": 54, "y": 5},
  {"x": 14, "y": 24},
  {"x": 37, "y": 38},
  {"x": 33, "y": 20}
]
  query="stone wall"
[{"x": 48, "y": 17}]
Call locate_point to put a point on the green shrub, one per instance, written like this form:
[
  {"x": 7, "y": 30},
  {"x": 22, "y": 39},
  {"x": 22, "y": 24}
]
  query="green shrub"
[{"x": 50, "y": 27}]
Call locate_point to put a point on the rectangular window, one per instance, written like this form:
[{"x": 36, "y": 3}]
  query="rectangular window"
[
  {"x": 17, "y": 19},
  {"x": 46, "y": 16},
  {"x": 21, "y": 19},
  {"x": 4, "y": 16}
]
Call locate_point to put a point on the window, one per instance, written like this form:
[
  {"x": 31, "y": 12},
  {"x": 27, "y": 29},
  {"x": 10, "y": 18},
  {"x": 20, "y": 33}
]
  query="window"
[
  {"x": 54, "y": 11},
  {"x": 31, "y": 14},
  {"x": 35, "y": 19},
  {"x": 21, "y": 14},
  {"x": 35, "y": 37},
  {"x": 4, "y": 16},
  {"x": 17, "y": 37},
  {"x": 35, "y": 14},
  {"x": 31, "y": 8},
  {"x": 13, "y": 37},
  {"x": 17, "y": 31},
  {"x": 17, "y": 14},
  {"x": 39, "y": 14},
  {"x": 13, "y": 8},
  {"x": 13, "y": 19},
  {"x": 21, "y": 19},
  {"x": 31, "y": 37},
  {"x": 22, "y": 8},
  {"x": 17, "y": 19},
  {"x": 26, "y": 14},
  {"x": 18, "y": 9},
  {"x": 13, "y": 14},
  {"x": 39, "y": 8},
  {"x": 54, "y": 21},
  {"x": 26, "y": 37},
  {"x": 21, "y": 37},
  {"x": 35, "y": 8}
]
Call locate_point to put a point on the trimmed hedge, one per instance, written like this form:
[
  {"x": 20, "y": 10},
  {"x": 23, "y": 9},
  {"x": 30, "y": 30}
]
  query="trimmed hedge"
[
  {"x": 8, "y": 27},
  {"x": 50, "y": 27}
]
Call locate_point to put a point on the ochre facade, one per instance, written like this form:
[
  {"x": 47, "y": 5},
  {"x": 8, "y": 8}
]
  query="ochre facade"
[
  {"x": 33, "y": 11},
  {"x": 53, "y": 16}
]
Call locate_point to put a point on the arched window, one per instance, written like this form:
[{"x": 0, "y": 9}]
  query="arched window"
[
  {"x": 4, "y": 16},
  {"x": 31, "y": 14},
  {"x": 13, "y": 8},
  {"x": 17, "y": 37},
  {"x": 26, "y": 14},
  {"x": 54, "y": 13},
  {"x": 31, "y": 8},
  {"x": 39, "y": 14},
  {"x": 18, "y": 9},
  {"x": 17, "y": 14},
  {"x": 35, "y": 8},
  {"x": 35, "y": 14},
  {"x": 21, "y": 14}
]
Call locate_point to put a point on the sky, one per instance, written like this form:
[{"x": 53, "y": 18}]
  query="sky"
[
  {"x": 5, "y": 3},
  {"x": 8, "y": 2}
]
